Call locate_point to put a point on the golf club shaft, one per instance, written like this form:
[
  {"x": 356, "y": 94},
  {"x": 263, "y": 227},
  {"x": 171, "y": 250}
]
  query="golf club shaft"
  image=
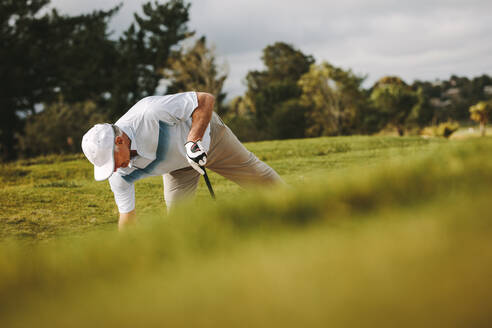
[{"x": 209, "y": 185}]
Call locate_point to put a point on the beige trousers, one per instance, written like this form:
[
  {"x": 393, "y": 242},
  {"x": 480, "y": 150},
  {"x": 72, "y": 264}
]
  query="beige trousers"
[{"x": 227, "y": 157}]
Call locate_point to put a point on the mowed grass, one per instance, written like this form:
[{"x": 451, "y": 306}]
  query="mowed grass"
[
  {"x": 54, "y": 196},
  {"x": 372, "y": 231}
]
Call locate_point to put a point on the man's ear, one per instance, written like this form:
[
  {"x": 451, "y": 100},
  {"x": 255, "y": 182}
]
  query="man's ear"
[{"x": 118, "y": 140}]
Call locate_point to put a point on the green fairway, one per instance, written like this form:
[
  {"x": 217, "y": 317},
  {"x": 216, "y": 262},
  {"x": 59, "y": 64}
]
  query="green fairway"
[
  {"x": 54, "y": 196},
  {"x": 372, "y": 231}
]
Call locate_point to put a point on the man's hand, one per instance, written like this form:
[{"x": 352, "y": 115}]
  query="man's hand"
[{"x": 196, "y": 155}]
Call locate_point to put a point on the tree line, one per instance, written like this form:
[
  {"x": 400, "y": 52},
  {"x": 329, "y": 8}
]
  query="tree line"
[
  {"x": 295, "y": 97},
  {"x": 62, "y": 74},
  {"x": 69, "y": 71}
]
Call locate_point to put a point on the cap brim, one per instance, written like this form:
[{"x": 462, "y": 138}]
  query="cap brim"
[{"x": 104, "y": 172}]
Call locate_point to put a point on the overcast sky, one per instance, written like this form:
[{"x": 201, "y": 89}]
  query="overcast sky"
[{"x": 418, "y": 39}]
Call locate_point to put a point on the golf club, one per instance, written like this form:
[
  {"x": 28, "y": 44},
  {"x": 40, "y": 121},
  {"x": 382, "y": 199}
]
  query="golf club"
[{"x": 207, "y": 181}]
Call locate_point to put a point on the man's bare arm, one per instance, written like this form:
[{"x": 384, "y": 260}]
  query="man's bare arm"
[
  {"x": 126, "y": 219},
  {"x": 201, "y": 116}
]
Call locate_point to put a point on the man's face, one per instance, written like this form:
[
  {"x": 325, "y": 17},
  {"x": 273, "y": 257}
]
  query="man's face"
[{"x": 121, "y": 152}]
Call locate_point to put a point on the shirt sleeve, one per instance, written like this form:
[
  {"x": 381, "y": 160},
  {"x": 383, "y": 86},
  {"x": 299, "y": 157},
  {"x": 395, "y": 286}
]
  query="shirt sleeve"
[
  {"x": 175, "y": 108},
  {"x": 124, "y": 193}
]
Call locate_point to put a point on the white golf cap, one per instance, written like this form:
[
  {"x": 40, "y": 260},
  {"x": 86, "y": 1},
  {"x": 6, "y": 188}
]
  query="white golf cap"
[{"x": 98, "y": 147}]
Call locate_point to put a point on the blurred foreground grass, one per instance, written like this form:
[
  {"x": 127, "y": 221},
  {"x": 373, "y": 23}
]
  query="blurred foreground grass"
[{"x": 373, "y": 232}]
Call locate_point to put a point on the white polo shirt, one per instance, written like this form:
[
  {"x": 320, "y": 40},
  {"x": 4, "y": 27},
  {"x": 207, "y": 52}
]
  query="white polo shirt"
[{"x": 158, "y": 128}]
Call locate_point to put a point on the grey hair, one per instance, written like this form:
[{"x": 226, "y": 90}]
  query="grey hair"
[{"x": 117, "y": 131}]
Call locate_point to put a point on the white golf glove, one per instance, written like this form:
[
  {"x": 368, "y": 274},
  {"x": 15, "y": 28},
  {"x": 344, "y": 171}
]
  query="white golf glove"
[{"x": 196, "y": 155}]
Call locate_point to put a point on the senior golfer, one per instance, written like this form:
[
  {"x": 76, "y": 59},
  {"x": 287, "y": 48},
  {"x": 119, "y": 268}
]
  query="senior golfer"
[{"x": 173, "y": 136}]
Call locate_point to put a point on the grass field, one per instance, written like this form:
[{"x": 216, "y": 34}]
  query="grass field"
[{"x": 373, "y": 231}]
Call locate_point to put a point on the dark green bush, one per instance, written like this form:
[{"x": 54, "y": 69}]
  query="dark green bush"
[{"x": 59, "y": 128}]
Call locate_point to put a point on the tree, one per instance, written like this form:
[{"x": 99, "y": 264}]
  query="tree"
[
  {"x": 431, "y": 109},
  {"x": 239, "y": 119},
  {"x": 480, "y": 113},
  {"x": 85, "y": 68},
  {"x": 334, "y": 99},
  {"x": 43, "y": 55},
  {"x": 283, "y": 61},
  {"x": 268, "y": 90},
  {"x": 289, "y": 120},
  {"x": 196, "y": 69},
  {"x": 395, "y": 100},
  {"x": 143, "y": 52}
]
